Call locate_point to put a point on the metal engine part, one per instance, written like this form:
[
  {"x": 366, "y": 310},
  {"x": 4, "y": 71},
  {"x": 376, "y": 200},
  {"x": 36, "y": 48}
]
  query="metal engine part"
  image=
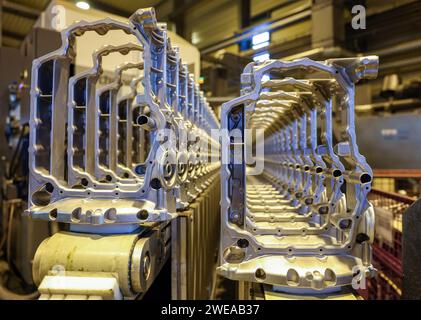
[
  {"x": 303, "y": 224},
  {"x": 111, "y": 175},
  {"x": 115, "y": 167}
]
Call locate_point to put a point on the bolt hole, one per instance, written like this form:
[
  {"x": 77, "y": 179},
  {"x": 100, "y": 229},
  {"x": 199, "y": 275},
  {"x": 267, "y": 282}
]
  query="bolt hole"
[
  {"x": 242, "y": 243},
  {"x": 76, "y": 214},
  {"x": 111, "y": 214},
  {"x": 260, "y": 274},
  {"x": 345, "y": 224},
  {"x": 49, "y": 187},
  {"x": 53, "y": 214},
  {"x": 140, "y": 169},
  {"x": 365, "y": 178},
  {"x": 142, "y": 215},
  {"x": 337, "y": 173},
  {"x": 156, "y": 184},
  {"x": 84, "y": 182}
]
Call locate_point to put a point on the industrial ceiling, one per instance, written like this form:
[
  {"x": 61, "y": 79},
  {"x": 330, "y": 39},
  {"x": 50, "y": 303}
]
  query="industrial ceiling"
[{"x": 18, "y": 16}]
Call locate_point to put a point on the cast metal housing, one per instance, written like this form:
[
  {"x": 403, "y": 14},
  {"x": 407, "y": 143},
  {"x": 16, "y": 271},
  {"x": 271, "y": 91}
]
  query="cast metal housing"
[
  {"x": 296, "y": 215},
  {"x": 99, "y": 159}
]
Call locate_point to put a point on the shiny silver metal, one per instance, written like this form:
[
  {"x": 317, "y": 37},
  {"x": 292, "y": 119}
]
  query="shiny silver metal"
[
  {"x": 116, "y": 168},
  {"x": 303, "y": 224},
  {"x": 136, "y": 156}
]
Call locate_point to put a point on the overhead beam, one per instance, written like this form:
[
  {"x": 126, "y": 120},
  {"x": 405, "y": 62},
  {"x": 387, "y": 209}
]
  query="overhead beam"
[
  {"x": 10, "y": 43},
  {"x": 12, "y": 34},
  {"x": 20, "y": 10},
  {"x": 294, "y": 16}
]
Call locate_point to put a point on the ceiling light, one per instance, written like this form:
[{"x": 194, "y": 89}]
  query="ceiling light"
[
  {"x": 83, "y": 5},
  {"x": 260, "y": 38}
]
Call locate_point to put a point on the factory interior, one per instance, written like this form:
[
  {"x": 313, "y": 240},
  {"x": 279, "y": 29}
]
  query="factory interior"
[{"x": 210, "y": 150}]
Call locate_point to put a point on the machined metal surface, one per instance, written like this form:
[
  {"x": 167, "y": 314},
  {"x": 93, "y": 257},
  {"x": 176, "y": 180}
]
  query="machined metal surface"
[
  {"x": 98, "y": 158},
  {"x": 116, "y": 167},
  {"x": 296, "y": 215}
]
